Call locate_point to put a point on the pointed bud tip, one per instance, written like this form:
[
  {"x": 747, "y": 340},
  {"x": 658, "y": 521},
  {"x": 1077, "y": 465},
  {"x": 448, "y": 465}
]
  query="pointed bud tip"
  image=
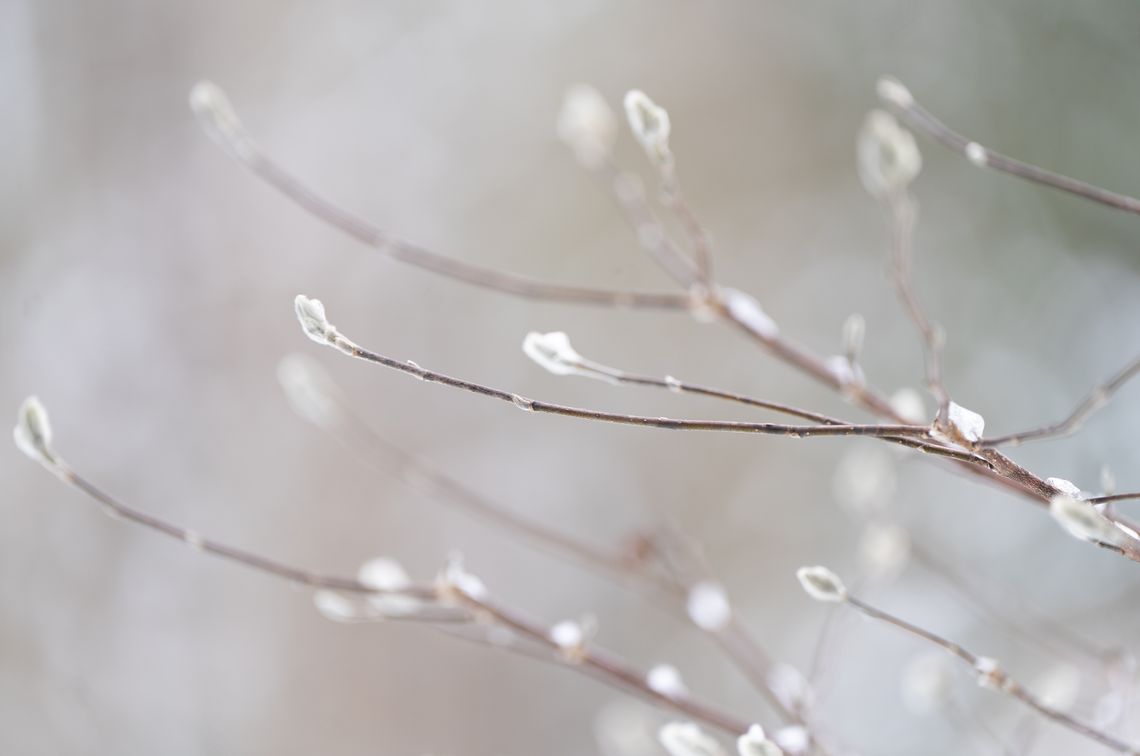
[
  {"x": 821, "y": 584},
  {"x": 32, "y": 433},
  {"x": 894, "y": 92}
]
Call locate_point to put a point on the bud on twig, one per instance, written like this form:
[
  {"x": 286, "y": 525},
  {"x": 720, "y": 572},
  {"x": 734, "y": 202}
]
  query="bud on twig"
[
  {"x": 888, "y": 158},
  {"x": 32, "y": 433},
  {"x": 821, "y": 584},
  {"x": 311, "y": 314},
  {"x": 650, "y": 126},
  {"x": 587, "y": 125},
  {"x": 756, "y": 743},
  {"x": 687, "y": 739},
  {"x": 219, "y": 119}
]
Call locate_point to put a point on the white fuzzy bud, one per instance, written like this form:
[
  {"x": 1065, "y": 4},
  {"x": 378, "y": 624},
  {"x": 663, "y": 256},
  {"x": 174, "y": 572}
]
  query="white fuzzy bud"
[
  {"x": 990, "y": 675},
  {"x": 821, "y": 584},
  {"x": 308, "y": 389},
  {"x": 687, "y": 739},
  {"x": 587, "y": 125},
  {"x": 32, "y": 433},
  {"x": 1083, "y": 521},
  {"x": 219, "y": 119},
  {"x": 847, "y": 375},
  {"x": 708, "y": 606},
  {"x": 1067, "y": 487},
  {"x": 744, "y": 309},
  {"x": 650, "y": 126},
  {"x": 865, "y": 480},
  {"x": 454, "y": 579},
  {"x": 793, "y": 739},
  {"x": 311, "y": 314},
  {"x": 553, "y": 352},
  {"x": 888, "y": 157},
  {"x": 665, "y": 679},
  {"x": 963, "y": 426},
  {"x": 854, "y": 332},
  {"x": 567, "y": 635},
  {"x": 756, "y": 743},
  {"x": 1059, "y": 686},
  {"x": 790, "y": 686},
  {"x": 976, "y": 154},
  {"x": 1107, "y": 480},
  {"x": 884, "y": 550},
  {"x": 909, "y": 406},
  {"x": 626, "y": 728},
  {"x": 383, "y": 574},
  {"x": 337, "y": 607},
  {"x": 894, "y": 92}
]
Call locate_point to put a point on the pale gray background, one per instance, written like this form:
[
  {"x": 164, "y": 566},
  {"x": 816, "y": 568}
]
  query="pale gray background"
[{"x": 146, "y": 297}]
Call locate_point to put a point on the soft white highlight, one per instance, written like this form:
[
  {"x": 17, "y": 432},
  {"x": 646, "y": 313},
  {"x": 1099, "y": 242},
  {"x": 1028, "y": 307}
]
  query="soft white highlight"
[
  {"x": 888, "y": 158},
  {"x": 687, "y": 739},
  {"x": 708, "y": 606},
  {"x": 649, "y": 123},
  {"x": 821, "y": 584},
  {"x": 587, "y": 125},
  {"x": 32, "y": 433}
]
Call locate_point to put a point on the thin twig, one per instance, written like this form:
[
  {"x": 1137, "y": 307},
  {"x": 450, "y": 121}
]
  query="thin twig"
[
  {"x": 629, "y": 194},
  {"x": 902, "y": 211},
  {"x": 993, "y": 677},
  {"x": 246, "y": 151},
  {"x": 922, "y": 120},
  {"x": 915, "y": 438},
  {"x": 320, "y": 400},
  {"x": 613, "y": 670},
  {"x": 1113, "y": 497},
  {"x": 532, "y": 405},
  {"x": 194, "y": 540},
  {"x": 1097, "y": 398}
]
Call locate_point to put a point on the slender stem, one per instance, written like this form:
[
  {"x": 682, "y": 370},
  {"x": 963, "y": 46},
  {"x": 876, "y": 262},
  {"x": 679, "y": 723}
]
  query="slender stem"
[
  {"x": 629, "y": 194},
  {"x": 531, "y": 405},
  {"x": 922, "y": 120},
  {"x": 1097, "y": 398},
  {"x": 198, "y": 542},
  {"x": 1113, "y": 497},
  {"x": 902, "y": 212},
  {"x": 262, "y": 166},
  {"x": 1001, "y": 681},
  {"x": 613, "y": 671}
]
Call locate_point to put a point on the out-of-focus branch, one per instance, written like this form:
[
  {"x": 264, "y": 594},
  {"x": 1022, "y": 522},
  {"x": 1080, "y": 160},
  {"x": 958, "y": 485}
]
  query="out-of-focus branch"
[{"x": 899, "y": 98}]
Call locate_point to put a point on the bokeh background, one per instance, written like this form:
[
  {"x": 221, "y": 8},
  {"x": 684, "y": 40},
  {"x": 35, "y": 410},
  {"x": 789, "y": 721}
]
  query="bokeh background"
[{"x": 145, "y": 294}]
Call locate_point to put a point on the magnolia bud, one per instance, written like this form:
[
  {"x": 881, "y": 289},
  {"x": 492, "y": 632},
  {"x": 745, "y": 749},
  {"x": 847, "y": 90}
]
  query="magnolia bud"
[{"x": 821, "y": 584}]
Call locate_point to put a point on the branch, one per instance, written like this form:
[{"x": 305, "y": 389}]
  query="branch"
[
  {"x": 894, "y": 94},
  {"x": 823, "y": 585},
  {"x": 222, "y": 124},
  {"x": 1097, "y": 398},
  {"x": 311, "y": 314},
  {"x": 453, "y": 589}
]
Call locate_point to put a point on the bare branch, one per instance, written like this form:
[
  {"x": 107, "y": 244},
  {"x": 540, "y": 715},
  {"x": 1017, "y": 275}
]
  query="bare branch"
[
  {"x": 220, "y": 121},
  {"x": 992, "y": 676},
  {"x": 900, "y": 99},
  {"x": 331, "y": 337},
  {"x": 1097, "y": 398},
  {"x": 902, "y": 212}
]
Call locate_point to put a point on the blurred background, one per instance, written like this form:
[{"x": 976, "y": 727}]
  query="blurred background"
[{"x": 147, "y": 285}]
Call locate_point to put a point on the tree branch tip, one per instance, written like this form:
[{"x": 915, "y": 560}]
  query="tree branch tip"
[{"x": 894, "y": 92}]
